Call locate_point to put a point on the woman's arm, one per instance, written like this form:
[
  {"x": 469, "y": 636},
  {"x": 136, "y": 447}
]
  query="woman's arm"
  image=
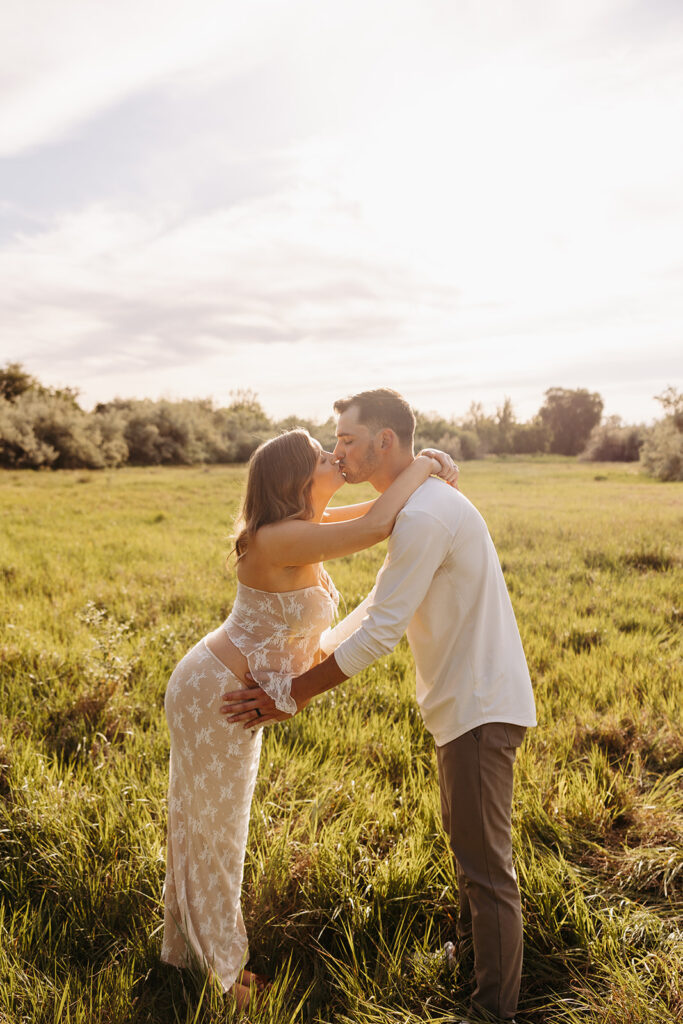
[
  {"x": 449, "y": 470},
  {"x": 296, "y": 542},
  {"x": 342, "y": 513}
]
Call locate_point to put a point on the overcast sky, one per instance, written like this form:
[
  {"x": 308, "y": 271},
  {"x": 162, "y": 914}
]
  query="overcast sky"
[{"x": 462, "y": 199}]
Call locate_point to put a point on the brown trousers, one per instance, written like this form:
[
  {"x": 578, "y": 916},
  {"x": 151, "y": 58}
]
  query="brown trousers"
[{"x": 475, "y": 779}]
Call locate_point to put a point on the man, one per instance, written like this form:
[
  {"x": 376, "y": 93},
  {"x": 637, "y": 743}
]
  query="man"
[{"x": 441, "y": 583}]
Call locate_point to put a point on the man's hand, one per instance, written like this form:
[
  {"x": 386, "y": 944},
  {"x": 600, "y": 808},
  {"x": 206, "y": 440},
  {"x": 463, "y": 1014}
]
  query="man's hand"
[
  {"x": 252, "y": 707},
  {"x": 243, "y": 705},
  {"x": 449, "y": 470}
]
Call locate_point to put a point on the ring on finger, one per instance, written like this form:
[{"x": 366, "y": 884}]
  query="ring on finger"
[{"x": 258, "y": 713}]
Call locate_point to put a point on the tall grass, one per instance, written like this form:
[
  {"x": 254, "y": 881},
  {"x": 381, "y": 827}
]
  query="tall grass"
[{"x": 349, "y": 896}]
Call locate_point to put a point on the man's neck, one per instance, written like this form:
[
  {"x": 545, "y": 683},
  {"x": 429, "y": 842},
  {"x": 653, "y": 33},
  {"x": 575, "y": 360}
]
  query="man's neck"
[{"x": 388, "y": 471}]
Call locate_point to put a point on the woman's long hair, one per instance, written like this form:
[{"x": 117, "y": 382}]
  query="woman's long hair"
[{"x": 279, "y": 483}]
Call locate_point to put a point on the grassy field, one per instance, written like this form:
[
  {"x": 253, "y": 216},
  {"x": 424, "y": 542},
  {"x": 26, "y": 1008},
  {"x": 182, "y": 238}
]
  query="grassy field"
[{"x": 106, "y": 579}]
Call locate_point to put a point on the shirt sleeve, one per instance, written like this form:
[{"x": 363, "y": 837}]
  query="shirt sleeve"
[
  {"x": 332, "y": 637},
  {"x": 417, "y": 547}
]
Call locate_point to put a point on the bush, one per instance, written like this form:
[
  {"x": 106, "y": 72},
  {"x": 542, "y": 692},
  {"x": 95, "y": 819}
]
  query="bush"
[
  {"x": 470, "y": 438},
  {"x": 38, "y": 429},
  {"x": 167, "y": 433},
  {"x": 477, "y": 425},
  {"x": 529, "y": 438},
  {"x": 107, "y": 428},
  {"x": 613, "y": 442},
  {"x": 19, "y": 446},
  {"x": 449, "y": 443},
  {"x": 470, "y": 444},
  {"x": 179, "y": 433},
  {"x": 662, "y": 452},
  {"x": 45, "y": 427}
]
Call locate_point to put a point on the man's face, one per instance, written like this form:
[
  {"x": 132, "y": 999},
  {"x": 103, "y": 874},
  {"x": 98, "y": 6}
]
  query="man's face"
[{"x": 356, "y": 448}]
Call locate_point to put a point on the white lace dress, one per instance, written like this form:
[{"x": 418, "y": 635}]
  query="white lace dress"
[{"x": 213, "y": 771}]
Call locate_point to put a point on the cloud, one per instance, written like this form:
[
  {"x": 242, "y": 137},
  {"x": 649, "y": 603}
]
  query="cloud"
[
  {"x": 65, "y": 63},
  {"x": 283, "y": 195},
  {"x": 258, "y": 272}
]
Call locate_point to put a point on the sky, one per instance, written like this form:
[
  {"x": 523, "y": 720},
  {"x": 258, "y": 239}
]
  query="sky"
[{"x": 460, "y": 199}]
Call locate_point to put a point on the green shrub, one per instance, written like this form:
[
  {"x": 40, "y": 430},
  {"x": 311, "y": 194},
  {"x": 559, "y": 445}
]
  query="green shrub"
[
  {"x": 613, "y": 442},
  {"x": 662, "y": 452}
]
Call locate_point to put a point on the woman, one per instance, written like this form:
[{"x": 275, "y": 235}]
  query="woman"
[{"x": 284, "y": 601}]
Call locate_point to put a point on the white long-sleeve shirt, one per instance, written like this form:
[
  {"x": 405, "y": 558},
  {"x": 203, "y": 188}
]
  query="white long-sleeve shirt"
[{"x": 441, "y": 582}]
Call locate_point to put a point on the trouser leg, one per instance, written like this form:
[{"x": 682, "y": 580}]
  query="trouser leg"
[
  {"x": 475, "y": 778},
  {"x": 464, "y": 923}
]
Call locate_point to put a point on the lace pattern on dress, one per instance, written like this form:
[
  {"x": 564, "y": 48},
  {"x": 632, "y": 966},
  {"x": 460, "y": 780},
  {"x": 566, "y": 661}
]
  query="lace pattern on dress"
[
  {"x": 279, "y": 634},
  {"x": 280, "y": 689}
]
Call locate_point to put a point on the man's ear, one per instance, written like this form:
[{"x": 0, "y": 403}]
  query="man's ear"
[{"x": 386, "y": 440}]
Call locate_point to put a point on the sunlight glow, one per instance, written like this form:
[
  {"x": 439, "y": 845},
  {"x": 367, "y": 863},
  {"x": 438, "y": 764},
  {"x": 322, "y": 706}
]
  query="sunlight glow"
[{"x": 477, "y": 201}]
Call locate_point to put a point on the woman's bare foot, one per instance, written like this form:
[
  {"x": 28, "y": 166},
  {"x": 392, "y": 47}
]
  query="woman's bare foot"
[
  {"x": 241, "y": 994},
  {"x": 250, "y": 978},
  {"x": 249, "y": 989}
]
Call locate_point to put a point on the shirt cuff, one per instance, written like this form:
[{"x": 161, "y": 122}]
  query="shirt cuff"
[{"x": 350, "y": 659}]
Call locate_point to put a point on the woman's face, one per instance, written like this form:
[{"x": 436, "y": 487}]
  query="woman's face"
[{"x": 327, "y": 476}]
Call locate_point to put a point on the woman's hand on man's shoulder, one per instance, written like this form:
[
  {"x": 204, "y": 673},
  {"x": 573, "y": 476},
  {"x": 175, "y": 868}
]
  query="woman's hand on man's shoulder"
[{"x": 449, "y": 470}]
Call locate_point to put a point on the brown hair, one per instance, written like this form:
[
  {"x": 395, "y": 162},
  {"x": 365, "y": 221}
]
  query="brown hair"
[
  {"x": 382, "y": 408},
  {"x": 278, "y": 484}
]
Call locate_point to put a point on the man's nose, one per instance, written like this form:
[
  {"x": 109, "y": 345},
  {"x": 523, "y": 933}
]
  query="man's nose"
[{"x": 337, "y": 453}]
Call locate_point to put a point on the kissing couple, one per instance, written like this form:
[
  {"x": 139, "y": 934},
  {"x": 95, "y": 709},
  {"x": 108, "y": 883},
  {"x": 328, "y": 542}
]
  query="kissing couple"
[{"x": 441, "y": 583}]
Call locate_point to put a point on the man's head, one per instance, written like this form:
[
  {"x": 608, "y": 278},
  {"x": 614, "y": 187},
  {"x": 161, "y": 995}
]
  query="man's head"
[{"x": 374, "y": 436}]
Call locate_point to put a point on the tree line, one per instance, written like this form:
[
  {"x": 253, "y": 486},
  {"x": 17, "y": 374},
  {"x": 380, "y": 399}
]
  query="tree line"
[{"x": 44, "y": 427}]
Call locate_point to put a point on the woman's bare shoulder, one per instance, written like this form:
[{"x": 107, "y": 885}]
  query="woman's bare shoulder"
[
  {"x": 264, "y": 566},
  {"x": 276, "y": 533},
  {"x": 267, "y": 545}
]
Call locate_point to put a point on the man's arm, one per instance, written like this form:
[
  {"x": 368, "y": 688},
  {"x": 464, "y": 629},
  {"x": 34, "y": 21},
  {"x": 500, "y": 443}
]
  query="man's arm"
[
  {"x": 242, "y": 704},
  {"x": 417, "y": 548},
  {"x": 324, "y": 676},
  {"x": 245, "y": 701}
]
